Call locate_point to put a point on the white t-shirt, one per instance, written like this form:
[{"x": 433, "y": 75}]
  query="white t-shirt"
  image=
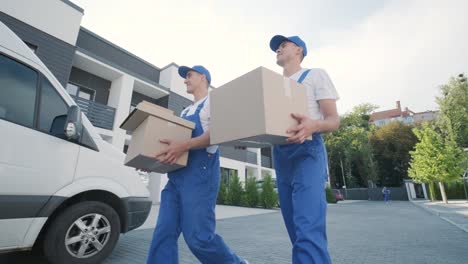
[
  {"x": 204, "y": 117},
  {"x": 319, "y": 86}
]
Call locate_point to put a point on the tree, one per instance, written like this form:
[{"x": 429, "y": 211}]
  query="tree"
[
  {"x": 391, "y": 145},
  {"x": 433, "y": 160},
  {"x": 351, "y": 158},
  {"x": 222, "y": 194},
  {"x": 330, "y": 195},
  {"x": 359, "y": 116},
  {"x": 251, "y": 192},
  {"x": 453, "y": 114},
  {"x": 351, "y": 161},
  {"x": 268, "y": 197},
  {"x": 234, "y": 191}
]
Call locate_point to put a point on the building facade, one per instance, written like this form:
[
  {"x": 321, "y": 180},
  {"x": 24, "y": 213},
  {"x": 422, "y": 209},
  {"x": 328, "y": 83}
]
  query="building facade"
[{"x": 406, "y": 116}]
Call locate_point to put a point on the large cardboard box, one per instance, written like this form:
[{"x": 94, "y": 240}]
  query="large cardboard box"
[
  {"x": 255, "y": 109},
  {"x": 149, "y": 123}
]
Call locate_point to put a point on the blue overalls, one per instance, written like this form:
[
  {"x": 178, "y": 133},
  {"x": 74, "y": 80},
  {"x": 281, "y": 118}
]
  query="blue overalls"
[
  {"x": 188, "y": 206},
  {"x": 386, "y": 194},
  {"x": 301, "y": 170}
]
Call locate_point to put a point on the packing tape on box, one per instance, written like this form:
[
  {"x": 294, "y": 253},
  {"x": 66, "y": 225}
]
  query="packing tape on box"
[{"x": 287, "y": 86}]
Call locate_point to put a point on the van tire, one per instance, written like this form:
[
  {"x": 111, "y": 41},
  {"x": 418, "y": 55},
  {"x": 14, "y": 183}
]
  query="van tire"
[{"x": 69, "y": 224}]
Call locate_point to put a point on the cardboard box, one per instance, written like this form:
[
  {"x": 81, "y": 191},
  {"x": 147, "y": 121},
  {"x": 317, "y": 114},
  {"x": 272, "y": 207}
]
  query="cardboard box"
[
  {"x": 255, "y": 109},
  {"x": 149, "y": 123}
]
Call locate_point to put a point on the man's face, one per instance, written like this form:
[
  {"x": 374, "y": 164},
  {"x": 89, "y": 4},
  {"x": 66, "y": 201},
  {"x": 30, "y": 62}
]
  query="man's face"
[
  {"x": 286, "y": 52},
  {"x": 193, "y": 81}
]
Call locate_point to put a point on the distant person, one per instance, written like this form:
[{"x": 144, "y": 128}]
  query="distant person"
[{"x": 386, "y": 194}]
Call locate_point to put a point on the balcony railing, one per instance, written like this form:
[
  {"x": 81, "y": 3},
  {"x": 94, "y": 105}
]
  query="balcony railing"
[
  {"x": 238, "y": 154},
  {"x": 99, "y": 114}
]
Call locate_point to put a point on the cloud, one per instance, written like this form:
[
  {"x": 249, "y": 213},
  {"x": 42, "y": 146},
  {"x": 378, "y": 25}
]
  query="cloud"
[{"x": 403, "y": 52}]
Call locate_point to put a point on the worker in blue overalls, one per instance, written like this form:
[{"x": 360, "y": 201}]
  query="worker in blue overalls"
[
  {"x": 386, "y": 193},
  {"x": 189, "y": 198},
  {"x": 301, "y": 165}
]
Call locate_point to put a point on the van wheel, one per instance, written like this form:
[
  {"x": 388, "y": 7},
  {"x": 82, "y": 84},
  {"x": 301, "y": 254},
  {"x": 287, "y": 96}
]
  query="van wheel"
[{"x": 83, "y": 233}]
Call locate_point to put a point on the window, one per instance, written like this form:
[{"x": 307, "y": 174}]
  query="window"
[
  {"x": 18, "y": 85},
  {"x": 227, "y": 174},
  {"x": 81, "y": 92},
  {"x": 51, "y": 107},
  {"x": 72, "y": 89}
]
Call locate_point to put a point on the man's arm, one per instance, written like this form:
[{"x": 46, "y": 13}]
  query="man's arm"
[
  {"x": 175, "y": 149},
  {"x": 307, "y": 126}
]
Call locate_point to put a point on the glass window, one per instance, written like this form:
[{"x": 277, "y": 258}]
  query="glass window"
[
  {"x": 72, "y": 89},
  {"x": 52, "y": 107},
  {"x": 227, "y": 174},
  {"x": 18, "y": 85},
  {"x": 85, "y": 94},
  {"x": 81, "y": 92}
]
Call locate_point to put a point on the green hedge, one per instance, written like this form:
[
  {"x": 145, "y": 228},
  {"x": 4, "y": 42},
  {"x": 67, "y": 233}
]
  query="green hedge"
[
  {"x": 222, "y": 194},
  {"x": 235, "y": 191},
  {"x": 454, "y": 190},
  {"x": 235, "y": 195},
  {"x": 251, "y": 196},
  {"x": 330, "y": 195},
  {"x": 268, "y": 197}
]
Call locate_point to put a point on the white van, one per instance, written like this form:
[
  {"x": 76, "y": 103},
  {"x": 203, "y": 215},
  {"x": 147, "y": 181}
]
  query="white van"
[{"x": 62, "y": 187}]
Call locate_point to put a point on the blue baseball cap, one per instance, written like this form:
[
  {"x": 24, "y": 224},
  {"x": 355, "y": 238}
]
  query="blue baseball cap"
[
  {"x": 183, "y": 71},
  {"x": 276, "y": 41}
]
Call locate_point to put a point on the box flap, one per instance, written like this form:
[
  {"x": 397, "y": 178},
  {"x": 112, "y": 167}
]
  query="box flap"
[{"x": 145, "y": 109}]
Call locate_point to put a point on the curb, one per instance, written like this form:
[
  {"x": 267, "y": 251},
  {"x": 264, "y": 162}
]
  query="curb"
[{"x": 438, "y": 213}]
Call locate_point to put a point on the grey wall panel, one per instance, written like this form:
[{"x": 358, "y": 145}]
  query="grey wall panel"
[
  {"x": 109, "y": 53},
  {"x": 177, "y": 103},
  {"x": 56, "y": 54},
  {"x": 138, "y": 97}
]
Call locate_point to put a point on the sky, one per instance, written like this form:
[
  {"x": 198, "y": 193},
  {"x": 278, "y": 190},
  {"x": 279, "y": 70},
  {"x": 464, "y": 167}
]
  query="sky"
[{"x": 375, "y": 51}]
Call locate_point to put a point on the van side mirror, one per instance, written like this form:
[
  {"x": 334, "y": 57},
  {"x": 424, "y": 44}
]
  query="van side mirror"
[
  {"x": 57, "y": 126},
  {"x": 73, "y": 125}
]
